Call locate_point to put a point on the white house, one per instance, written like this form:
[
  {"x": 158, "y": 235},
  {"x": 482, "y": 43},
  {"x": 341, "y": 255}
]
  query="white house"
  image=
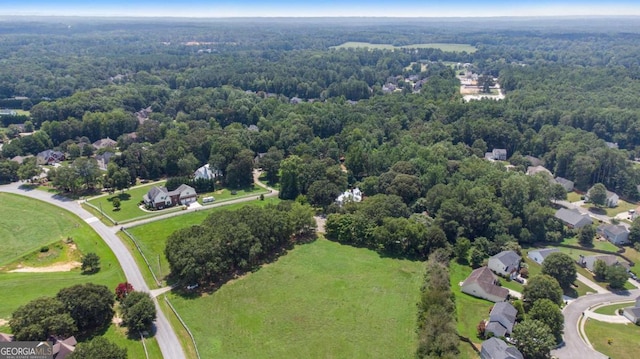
[
  {"x": 505, "y": 263},
  {"x": 350, "y": 195},
  {"x": 617, "y": 235},
  {"x": 633, "y": 313},
  {"x": 539, "y": 255},
  {"x": 205, "y": 172},
  {"x": 482, "y": 283}
]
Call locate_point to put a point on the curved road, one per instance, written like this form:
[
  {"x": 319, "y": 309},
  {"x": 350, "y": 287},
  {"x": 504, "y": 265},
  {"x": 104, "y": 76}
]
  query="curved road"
[
  {"x": 165, "y": 336},
  {"x": 574, "y": 346}
]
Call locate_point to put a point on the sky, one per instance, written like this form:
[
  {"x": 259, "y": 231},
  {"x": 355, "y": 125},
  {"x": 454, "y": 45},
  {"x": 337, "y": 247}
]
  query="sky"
[{"x": 320, "y": 8}]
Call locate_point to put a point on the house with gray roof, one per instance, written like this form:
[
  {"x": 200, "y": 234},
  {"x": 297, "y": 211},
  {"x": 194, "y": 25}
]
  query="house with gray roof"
[
  {"x": 501, "y": 319},
  {"x": 539, "y": 255},
  {"x": 482, "y": 283},
  {"x": 498, "y": 154},
  {"x": 494, "y": 348},
  {"x": 505, "y": 263},
  {"x": 573, "y": 218},
  {"x": 104, "y": 143},
  {"x": 565, "y": 183},
  {"x": 533, "y": 170},
  {"x": 611, "y": 200},
  {"x": 633, "y": 313},
  {"x": 205, "y": 172},
  {"x": 589, "y": 262},
  {"x": 534, "y": 161},
  {"x": 616, "y": 234}
]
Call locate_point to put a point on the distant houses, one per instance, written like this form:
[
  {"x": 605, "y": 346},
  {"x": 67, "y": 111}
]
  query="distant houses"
[
  {"x": 498, "y": 154},
  {"x": 532, "y": 170},
  {"x": 205, "y": 172},
  {"x": 482, "y": 283},
  {"x": 105, "y": 143},
  {"x": 351, "y": 195},
  {"x": 160, "y": 197},
  {"x": 539, "y": 255},
  {"x": 49, "y": 157},
  {"x": 565, "y": 183},
  {"x": 589, "y": 262},
  {"x": 573, "y": 218}
]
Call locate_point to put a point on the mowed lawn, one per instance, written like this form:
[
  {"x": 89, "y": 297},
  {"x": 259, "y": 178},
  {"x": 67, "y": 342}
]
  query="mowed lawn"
[
  {"x": 35, "y": 222},
  {"x": 624, "y": 339},
  {"x": 471, "y": 310},
  {"x": 26, "y": 226},
  {"x": 152, "y": 237},
  {"x": 321, "y": 300},
  {"x": 129, "y": 201}
]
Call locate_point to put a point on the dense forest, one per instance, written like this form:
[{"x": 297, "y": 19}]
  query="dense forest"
[{"x": 277, "y": 94}]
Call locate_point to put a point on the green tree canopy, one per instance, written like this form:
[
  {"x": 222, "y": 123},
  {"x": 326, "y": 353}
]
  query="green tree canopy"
[
  {"x": 550, "y": 314},
  {"x": 561, "y": 267},
  {"x": 617, "y": 276},
  {"x": 598, "y": 194},
  {"x": 41, "y": 318},
  {"x": 90, "y": 305},
  {"x": 541, "y": 287},
  {"x": 533, "y": 338},
  {"x": 138, "y": 311},
  {"x": 98, "y": 348}
]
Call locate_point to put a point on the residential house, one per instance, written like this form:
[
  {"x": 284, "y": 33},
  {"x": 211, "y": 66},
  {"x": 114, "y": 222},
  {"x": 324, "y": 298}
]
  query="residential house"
[
  {"x": 160, "y": 197},
  {"x": 143, "y": 115},
  {"x": 633, "y": 313},
  {"x": 105, "y": 143},
  {"x": 609, "y": 259},
  {"x": 505, "y": 263},
  {"x": 573, "y": 218},
  {"x": 205, "y": 172},
  {"x": 612, "y": 145},
  {"x": 611, "y": 200},
  {"x": 350, "y": 195},
  {"x": 539, "y": 255},
  {"x": 498, "y": 154},
  {"x": 20, "y": 159},
  {"x": 49, "y": 157},
  {"x": 532, "y": 170},
  {"x": 495, "y": 348},
  {"x": 8, "y": 112},
  {"x": 616, "y": 234},
  {"x": 482, "y": 283},
  {"x": 6, "y": 338},
  {"x": 295, "y": 100},
  {"x": 62, "y": 348},
  {"x": 567, "y": 184},
  {"x": 502, "y": 318},
  {"x": 104, "y": 159},
  {"x": 534, "y": 161}
]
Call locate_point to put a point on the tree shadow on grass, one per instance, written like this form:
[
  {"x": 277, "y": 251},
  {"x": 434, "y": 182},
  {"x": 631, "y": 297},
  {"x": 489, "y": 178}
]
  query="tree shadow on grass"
[
  {"x": 598, "y": 210},
  {"x": 121, "y": 196}
]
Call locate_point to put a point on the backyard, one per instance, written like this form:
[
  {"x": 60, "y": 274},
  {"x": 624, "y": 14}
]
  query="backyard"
[
  {"x": 40, "y": 224},
  {"x": 321, "y": 300},
  {"x": 471, "y": 310}
]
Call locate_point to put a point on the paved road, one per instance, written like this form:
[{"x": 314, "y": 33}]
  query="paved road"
[
  {"x": 574, "y": 346},
  {"x": 165, "y": 336}
]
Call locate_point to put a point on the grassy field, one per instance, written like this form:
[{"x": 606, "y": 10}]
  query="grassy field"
[
  {"x": 624, "y": 339},
  {"x": 129, "y": 200},
  {"x": 471, "y": 310},
  {"x": 322, "y": 300},
  {"x": 623, "y": 206},
  {"x": 579, "y": 289},
  {"x": 597, "y": 244},
  {"x": 225, "y": 194},
  {"x": 442, "y": 46},
  {"x": 152, "y": 237},
  {"x": 36, "y": 224},
  {"x": 574, "y": 197},
  {"x": 613, "y": 308}
]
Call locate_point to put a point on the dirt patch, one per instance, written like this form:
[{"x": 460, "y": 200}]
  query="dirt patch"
[
  {"x": 3, "y": 322},
  {"x": 62, "y": 267}
]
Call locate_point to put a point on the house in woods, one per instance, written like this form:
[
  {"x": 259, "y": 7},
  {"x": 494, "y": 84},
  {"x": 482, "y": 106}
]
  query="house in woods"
[
  {"x": 589, "y": 262},
  {"x": 572, "y": 218},
  {"x": 49, "y": 157},
  {"x": 565, "y": 183},
  {"x": 539, "y": 255},
  {"x": 498, "y": 154},
  {"x": 62, "y": 348},
  {"x": 350, "y": 195},
  {"x": 105, "y": 143},
  {"x": 160, "y": 197},
  {"x": 502, "y": 318},
  {"x": 633, "y": 313},
  {"x": 532, "y": 170},
  {"x": 611, "y": 200},
  {"x": 482, "y": 283},
  {"x": 103, "y": 160},
  {"x": 494, "y": 348},
  {"x": 534, "y": 161},
  {"x": 205, "y": 172},
  {"x": 616, "y": 234},
  {"x": 505, "y": 263}
]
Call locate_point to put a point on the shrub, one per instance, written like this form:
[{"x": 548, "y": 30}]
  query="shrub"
[
  {"x": 524, "y": 272},
  {"x": 44, "y": 249}
]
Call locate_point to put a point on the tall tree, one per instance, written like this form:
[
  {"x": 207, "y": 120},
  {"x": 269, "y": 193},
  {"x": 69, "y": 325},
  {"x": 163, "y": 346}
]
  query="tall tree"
[
  {"x": 138, "y": 311},
  {"x": 90, "y": 305},
  {"x": 586, "y": 235},
  {"x": 533, "y": 338},
  {"x": 98, "y": 348},
  {"x": 561, "y": 267},
  {"x": 617, "y": 276},
  {"x": 541, "y": 287},
  {"x": 550, "y": 314},
  {"x": 40, "y": 319},
  {"x": 598, "y": 194}
]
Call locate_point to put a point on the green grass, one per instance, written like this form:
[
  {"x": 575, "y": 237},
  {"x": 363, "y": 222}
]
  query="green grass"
[
  {"x": 129, "y": 201},
  {"x": 181, "y": 332},
  {"x": 579, "y": 289},
  {"x": 25, "y": 230},
  {"x": 511, "y": 284},
  {"x": 224, "y": 194},
  {"x": 574, "y": 197},
  {"x": 613, "y": 308},
  {"x": 624, "y": 339},
  {"x": 442, "y": 46},
  {"x": 623, "y": 206},
  {"x": 471, "y": 310},
  {"x": 152, "y": 237},
  {"x": 321, "y": 300},
  {"x": 135, "y": 348},
  {"x": 597, "y": 244}
]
